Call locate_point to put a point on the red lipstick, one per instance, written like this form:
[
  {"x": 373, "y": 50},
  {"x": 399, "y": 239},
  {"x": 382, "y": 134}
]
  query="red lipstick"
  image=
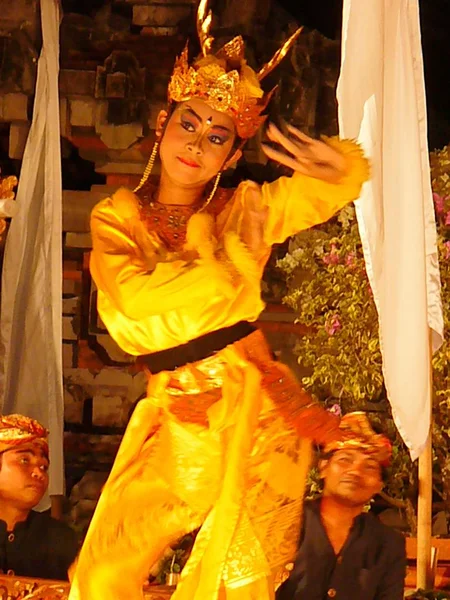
[{"x": 189, "y": 163}]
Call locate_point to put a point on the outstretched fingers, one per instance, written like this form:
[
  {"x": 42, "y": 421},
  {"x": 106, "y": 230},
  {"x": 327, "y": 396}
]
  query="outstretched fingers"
[
  {"x": 302, "y": 137},
  {"x": 305, "y": 155},
  {"x": 275, "y": 135},
  {"x": 298, "y": 164}
]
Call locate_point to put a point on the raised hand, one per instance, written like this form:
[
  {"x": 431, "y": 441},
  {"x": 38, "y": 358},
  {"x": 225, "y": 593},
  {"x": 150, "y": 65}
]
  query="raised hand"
[{"x": 305, "y": 155}]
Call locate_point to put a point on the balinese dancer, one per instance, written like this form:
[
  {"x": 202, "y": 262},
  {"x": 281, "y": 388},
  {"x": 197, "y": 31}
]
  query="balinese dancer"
[{"x": 221, "y": 442}]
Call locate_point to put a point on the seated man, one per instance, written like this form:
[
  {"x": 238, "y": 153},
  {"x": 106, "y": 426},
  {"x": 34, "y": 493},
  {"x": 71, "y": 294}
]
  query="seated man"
[
  {"x": 345, "y": 552},
  {"x": 32, "y": 544}
]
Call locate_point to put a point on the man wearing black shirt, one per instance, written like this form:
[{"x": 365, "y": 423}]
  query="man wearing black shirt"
[
  {"x": 32, "y": 544},
  {"x": 344, "y": 552}
]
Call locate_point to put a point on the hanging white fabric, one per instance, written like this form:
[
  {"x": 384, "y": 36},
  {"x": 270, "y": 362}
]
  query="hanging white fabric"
[
  {"x": 31, "y": 312},
  {"x": 381, "y": 96}
]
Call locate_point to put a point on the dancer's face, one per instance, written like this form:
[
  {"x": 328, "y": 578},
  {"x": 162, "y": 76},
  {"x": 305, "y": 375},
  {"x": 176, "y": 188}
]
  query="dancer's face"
[
  {"x": 351, "y": 476},
  {"x": 196, "y": 144}
]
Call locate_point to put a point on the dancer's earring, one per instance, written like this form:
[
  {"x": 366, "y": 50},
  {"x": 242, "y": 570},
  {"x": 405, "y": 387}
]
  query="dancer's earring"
[
  {"x": 149, "y": 167},
  {"x": 213, "y": 191}
]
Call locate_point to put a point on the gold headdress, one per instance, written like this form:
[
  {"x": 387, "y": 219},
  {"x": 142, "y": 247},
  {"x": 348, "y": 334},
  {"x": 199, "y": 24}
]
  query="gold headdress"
[
  {"x": 16, "y": 430},
  {"x": 224, "y": 80},
  {"x": 358, "y": 434}
]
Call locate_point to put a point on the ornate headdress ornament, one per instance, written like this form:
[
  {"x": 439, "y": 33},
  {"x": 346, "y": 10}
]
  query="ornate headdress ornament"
[
  {"x": 7, "y": 204},
  {"x": 16, "y": 430},
  {"x": 224, "y": 80},
  {"x": 358, "y": 434}
]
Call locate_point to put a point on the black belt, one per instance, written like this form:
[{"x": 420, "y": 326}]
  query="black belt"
[{"x": 197, "y": 349}]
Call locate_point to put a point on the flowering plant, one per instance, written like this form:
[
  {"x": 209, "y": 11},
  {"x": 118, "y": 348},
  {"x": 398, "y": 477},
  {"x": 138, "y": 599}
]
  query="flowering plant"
[
  {"x": 440, "y": 177},
  {"x": 327, "y": 286}
]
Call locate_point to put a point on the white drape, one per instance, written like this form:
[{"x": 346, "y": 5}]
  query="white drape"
[
  {"x": 31, "y": 312},
  {"x": 381, "y": 97}
]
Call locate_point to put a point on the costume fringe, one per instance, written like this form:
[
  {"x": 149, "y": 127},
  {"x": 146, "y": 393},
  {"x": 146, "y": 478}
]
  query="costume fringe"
[
  {"x": 358, "y": 167},
  {"x": 242, "y": 258}
]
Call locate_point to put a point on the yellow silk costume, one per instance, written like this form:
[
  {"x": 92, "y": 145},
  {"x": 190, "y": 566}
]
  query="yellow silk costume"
[{"x": 216, "y": 444}]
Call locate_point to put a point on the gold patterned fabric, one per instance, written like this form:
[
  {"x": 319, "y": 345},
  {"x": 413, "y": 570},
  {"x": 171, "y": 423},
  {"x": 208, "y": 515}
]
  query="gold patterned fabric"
[
  {"x": 220, "y": 444},
  {"x": 215, "y": 453},
  {"x": 16, "y": 430}
]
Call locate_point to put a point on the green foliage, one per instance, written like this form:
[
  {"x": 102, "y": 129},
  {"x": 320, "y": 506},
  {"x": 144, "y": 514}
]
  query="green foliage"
[
  {"x": 174, "y": 559},
  {"x": 327, "y": 286},
  {"x": 440, "y": 177}
]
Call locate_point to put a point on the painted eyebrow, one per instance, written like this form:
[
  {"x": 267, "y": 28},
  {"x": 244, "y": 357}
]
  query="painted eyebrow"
[
  {"x": 198, "y": 117},
  {"x": 222, "y": 128}
]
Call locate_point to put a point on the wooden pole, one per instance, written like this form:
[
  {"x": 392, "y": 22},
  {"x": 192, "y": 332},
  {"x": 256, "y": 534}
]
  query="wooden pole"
[
  {"x": 424, "y": 513},
  {"x": 425, "y": 572}
]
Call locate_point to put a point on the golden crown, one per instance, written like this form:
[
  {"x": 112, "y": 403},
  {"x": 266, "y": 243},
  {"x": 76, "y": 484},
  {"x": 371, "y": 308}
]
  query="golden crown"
[{"x": 224, "y": 79}]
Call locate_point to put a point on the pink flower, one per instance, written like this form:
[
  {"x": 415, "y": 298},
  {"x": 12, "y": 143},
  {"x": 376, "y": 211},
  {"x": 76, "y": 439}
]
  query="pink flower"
[
  {"x": 438, "y": 203},
  {"x": 332, "y": 258},
  {"x": 447, "y": 218},
  {"x": 447, "y": 250},
  {"x": 350, "y": 259},
  {"x": 333, "y": 325},
  {"x": 335, "y": 410}
]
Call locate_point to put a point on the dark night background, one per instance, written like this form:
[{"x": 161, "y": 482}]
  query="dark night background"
[{"x": 326, "y": 16}]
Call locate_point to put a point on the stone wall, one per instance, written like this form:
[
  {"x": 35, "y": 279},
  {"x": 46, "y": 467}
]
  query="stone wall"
[{"x": 115, "y": 65}]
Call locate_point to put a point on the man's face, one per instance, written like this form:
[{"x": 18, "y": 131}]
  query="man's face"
[
  {"x": 352, "y": 477},
  {"x": 23, "y": 476}
]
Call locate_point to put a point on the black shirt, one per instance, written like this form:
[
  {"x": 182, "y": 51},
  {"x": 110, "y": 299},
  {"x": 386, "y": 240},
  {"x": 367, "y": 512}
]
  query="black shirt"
[
  {"x": 38, "y": 547},
  {"x": 370, "y": 566}
]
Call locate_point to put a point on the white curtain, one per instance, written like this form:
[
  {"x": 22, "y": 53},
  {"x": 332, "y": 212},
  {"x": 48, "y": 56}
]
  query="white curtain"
[
  {"x": 31, "y": 312},
  {"x": 381, "y": 97}
]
